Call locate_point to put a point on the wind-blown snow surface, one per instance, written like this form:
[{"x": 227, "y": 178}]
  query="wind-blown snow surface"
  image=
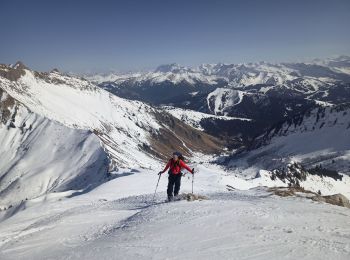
[{"x": 118, "y": 221}]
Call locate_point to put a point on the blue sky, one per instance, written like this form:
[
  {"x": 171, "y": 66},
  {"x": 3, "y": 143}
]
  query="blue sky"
[{"x": 83, "y": 36}]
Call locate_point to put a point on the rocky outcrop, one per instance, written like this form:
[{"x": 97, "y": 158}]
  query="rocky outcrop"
[
  {"x": 178, "y": 136},
  {"x": 292, "y": 174},
  {"x": 336, "y": 199}
]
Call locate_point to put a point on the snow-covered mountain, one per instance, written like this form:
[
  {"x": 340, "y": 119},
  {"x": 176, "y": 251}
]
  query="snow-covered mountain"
[
  {"x": 63, "y": 133},
  {"x": 325, "y": 129},
  {"x": 81, "y": 163},
  {"x": 318, "y": 140},
  {"x": 132, "y": 133},
  {"x": 264, "y": 92},
  {"x": 173, "y": 73},
  {"x": 39, "y": 155},
  {"x": 195, "y": 118},
  {"x": 123, "y": 125},
  {"x": 222, "y": 100},
  {"x": 299, "y": 78}
]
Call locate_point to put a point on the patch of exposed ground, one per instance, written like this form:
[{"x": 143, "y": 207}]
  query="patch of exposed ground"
[
  {"x": 178, "y": 136},
  {"x": 7, "y": 106},
  {"x": 335, "y": 199},
  {"x": 14, "y": 73},
  {"x": 192, "y": 197}
]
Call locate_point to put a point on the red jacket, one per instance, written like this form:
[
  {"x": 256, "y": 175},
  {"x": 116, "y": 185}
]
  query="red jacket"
[{"x": 175, "y": 167}]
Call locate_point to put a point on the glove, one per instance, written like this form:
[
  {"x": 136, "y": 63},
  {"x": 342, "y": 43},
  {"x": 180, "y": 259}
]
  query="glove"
[
  {"x": 160, "y": 173},
  {"x": 192, "y": 171}
]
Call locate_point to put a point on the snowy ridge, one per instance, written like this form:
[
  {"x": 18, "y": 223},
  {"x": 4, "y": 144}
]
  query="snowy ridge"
[
  {"x": 128, "y": 130},
  {"x": 222, "y": 99},
  {"x": 63, "y": 133},
  {"x": 172, "y": 73},
  {"x": 303, "y": 77},
  {"x": 39, "y": 156},
  {"x": 320, "y": 137},
  {"x": 194, "y": 118},
  {"x": 306, "y": 78},
  {"x": 79, "y": 104}
]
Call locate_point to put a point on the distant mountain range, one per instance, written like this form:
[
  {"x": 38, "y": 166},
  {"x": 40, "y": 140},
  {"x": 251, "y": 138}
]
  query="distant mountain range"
[
  {"x": 303, "y": 79},
  {"x": 264, "y": 92},
  {"x": 61, "y": 132}
]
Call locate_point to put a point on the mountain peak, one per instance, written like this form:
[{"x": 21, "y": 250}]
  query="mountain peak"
[
  {"x": 19, "y": 65},
  {"x": 172, "y": 67}
]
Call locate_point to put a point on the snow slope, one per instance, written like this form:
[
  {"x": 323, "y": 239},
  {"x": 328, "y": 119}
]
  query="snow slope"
[
  {"x": 117, "y": 220},
  {"x": 79, "y": 104},
  {"x": 124, "y": 127},
  {"x": 194, "y": 118},
  {"x": 320, "y": 137},
  {"x": 221, "y": 100},
  {"x": 40, "y": 156},
  {"x": 61, "y": 133}
]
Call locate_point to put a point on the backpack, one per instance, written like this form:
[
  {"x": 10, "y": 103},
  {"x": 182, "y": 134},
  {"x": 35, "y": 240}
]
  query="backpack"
[{"x": 181, "y": 157}]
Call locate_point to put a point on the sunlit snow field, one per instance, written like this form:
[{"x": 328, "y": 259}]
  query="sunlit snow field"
[{"x": 119, "y": 220}]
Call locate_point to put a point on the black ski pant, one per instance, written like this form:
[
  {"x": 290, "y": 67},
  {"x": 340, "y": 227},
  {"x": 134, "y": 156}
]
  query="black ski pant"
[{"x": 174, "y": 184}]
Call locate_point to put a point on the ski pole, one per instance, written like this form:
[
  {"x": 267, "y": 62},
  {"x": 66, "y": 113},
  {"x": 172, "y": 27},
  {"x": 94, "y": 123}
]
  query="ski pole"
[
  {"x": 156, "y": 188},
  {"x": 192, "y": 179}
]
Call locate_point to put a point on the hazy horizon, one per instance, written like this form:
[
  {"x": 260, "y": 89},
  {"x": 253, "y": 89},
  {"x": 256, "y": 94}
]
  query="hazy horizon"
[
  {"x": 103, "y": 36},
  {"x": 111, "y": 70}
]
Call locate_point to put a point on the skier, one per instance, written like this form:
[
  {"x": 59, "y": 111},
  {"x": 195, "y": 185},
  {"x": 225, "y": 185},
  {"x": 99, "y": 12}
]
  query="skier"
[{"x": 175, "y": 164}]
